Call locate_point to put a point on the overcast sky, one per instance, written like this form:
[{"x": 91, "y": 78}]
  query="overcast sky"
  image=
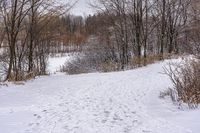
[{"x": 82, "y": 8}]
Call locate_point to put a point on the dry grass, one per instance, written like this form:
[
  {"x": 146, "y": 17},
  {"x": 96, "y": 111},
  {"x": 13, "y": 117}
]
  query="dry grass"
[
  {"x": 186, "y": 82},
  {"x": 109, "y": 66},
  {"x": 150, "y": 59},
  {"x": 101, "y": 63},
  {"x": 22, "y": 76}
]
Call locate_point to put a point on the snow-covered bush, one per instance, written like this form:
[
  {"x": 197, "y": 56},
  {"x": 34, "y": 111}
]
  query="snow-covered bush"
[
  {"x": 186, "y": 82},
  {"x": 91, "y": 61}
]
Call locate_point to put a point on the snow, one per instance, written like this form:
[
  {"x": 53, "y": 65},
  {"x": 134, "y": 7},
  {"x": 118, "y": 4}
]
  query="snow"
[
  {"x": 1, "y": 50},
  {"x": 56, "y": 62},
  {"x": 116, "y": 102}
]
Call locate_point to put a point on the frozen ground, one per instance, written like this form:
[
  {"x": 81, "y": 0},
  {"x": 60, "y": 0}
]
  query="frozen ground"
[{"x": 118, "y": 102}]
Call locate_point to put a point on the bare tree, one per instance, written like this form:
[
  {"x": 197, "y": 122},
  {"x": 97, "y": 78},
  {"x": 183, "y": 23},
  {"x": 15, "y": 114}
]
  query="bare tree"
[
  {"x": 13, "y": 13},
  {"x": 25, "y": 22}
]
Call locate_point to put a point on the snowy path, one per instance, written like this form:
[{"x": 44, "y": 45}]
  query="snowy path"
[{"x": 119, "y": 102}]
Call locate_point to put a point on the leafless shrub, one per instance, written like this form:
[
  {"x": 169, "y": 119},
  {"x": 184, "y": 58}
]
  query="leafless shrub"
[
  {"x": 168, "y": 92},
  {"x": 77, "y": 66},
  {"x": 91, "y": 62},
  {"x": 186, "y": 82},
  {"x": 102, "y": 60}
]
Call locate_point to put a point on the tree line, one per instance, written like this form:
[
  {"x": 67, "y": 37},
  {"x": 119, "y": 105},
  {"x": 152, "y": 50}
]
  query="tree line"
[
  {"x": 121, "y": 31},
  {"x": 142, "y": 28},
  {"x": 30, "y": 31}
]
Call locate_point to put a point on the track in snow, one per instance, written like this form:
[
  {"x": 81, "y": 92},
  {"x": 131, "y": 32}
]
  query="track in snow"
[{"x": 118, "y": 102}]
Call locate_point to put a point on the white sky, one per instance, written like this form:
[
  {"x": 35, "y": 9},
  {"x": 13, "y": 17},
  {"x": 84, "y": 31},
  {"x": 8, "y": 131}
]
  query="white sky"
[{"x": 82, "y": 8}]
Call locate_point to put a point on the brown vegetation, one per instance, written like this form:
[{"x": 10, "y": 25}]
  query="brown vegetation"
[{"x": 186, "y": 82}]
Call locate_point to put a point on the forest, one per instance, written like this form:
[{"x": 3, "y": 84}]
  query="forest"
[{"x": 122, "y": 34}]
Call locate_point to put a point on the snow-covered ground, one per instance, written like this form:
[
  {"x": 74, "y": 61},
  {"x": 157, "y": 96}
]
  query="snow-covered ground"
[
  {"x": 56, "y": 62},
  {"x": 117, "y": 102}
]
